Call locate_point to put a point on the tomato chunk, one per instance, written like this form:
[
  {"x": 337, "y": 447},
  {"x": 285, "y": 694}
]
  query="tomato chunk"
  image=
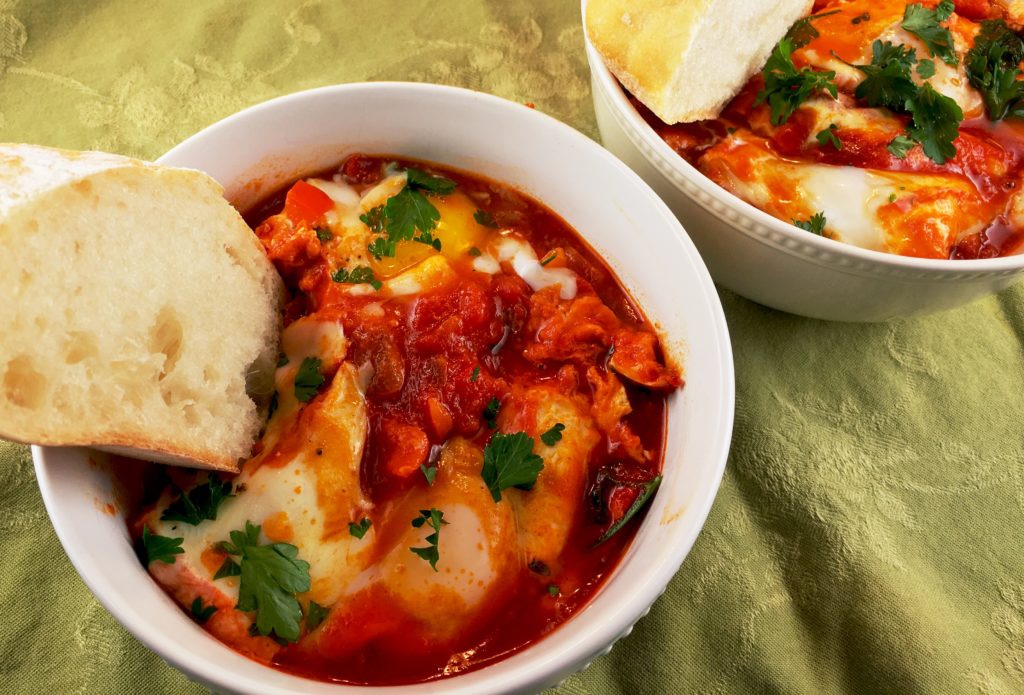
[
  {"x": 405, "y": 446},
  {"x": 634, "y": 359},
  {"x": 305, "y": 203}
]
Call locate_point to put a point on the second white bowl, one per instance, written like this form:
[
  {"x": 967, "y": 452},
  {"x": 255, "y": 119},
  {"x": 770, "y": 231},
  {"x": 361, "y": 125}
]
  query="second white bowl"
[{"x": 772, "y": 262}]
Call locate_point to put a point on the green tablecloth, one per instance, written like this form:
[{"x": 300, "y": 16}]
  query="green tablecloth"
[{"x": 869, "y": 534}]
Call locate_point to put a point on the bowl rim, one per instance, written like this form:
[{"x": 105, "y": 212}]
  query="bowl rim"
[
  {"x": 543, "y": 666},
  {"x": 613, "y": 90}
]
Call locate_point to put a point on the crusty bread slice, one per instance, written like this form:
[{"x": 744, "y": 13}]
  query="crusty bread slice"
[
  {"x": 139, "y": 312},
  {"x": 685, "y": 59}
]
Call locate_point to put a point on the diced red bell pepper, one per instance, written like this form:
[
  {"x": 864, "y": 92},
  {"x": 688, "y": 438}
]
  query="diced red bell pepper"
[{"x": 305, "y": 203}]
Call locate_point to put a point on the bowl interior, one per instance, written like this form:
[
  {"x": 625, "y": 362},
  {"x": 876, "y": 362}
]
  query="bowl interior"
[{"x": 266, "y": 146}]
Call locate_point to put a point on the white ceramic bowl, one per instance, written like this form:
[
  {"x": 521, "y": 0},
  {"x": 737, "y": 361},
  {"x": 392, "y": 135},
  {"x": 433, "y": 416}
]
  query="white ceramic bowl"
[
  {"x": 268, "y": 145},
  {"x": 772, "y": 262}
]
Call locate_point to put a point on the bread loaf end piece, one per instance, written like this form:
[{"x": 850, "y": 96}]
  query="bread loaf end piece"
[
  {"x": 686, "y": 59},
  {"x": 140, "y": 312}
]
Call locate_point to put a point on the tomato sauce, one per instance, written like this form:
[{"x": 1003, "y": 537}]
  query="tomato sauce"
[{"x": 440, "y": 357}]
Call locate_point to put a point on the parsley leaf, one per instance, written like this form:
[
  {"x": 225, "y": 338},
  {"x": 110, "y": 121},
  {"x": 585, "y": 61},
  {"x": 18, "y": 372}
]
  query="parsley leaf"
[
  {"x": 315, "y": 614},
  {"x": 474, "y": 251},
  {"x": 200, "y": 503},
  {"x": 828, "y": 136},
  {"x": 228, "y": 568},
  {"x": 926, "y": 69},
  {"x": 900, "y": 146},
  {"x": 360, "y": 275},
  {"x": 936, "y": 123},
  {"x": 815, "y": 225},
  {"x": 271, "y": 575},
  {"x": 476, "y": 373},
  {"x": 786, "y": 88},
  {"x": 803, "y": 31},
  {"x": 374, "y": 219},
  {"x": 422, "y": 181},
  {"x": 553, "y": 435},
  {"x": 408, "y": 211},
  {"x": 359, "y": 530},
  {"x": 381, "y": 247},
  {"x": 926, "y": 25},
  {"x": 550, "y": 258},
  {"x": 491, "y": 412},
  {"x": 429, "y": 472},
  {"x": 993, "y": 68},
  {"x": 637, "y": 505},
  {"x": 553, "y": 590},
  {"x": 887, "y": 82},
  {"x": 160, "y": 548},
  {"x": 485, "y": 219},
  {"x": 435, "y": 519},
  {"x": 308, "y": 379},
  {"x": 429, "y": 239},
  {"x": 324, "y": 234},
  {"x": 509, "y": 461},
  {"x": 200, "y": 612}
]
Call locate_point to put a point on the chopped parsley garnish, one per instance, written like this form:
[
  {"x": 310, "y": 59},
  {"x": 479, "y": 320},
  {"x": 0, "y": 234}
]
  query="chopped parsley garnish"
[
  {"x": 926, "y": 69},
  {"x": 900, "y": 146},
  {"x": 815, "y": 225},
  {"x": 359, "y": 529},
  {"x": 637, "y": 505},
  {"x": 422, "y": 181},
  {"x": 476, "y": 373},
  {"x": 429, "y": 240},
  {"x": 509, "y": 461},
  {"x": 474, "y": 251},
  {"x": 160, "y": 548},
  {"x": 926, "y": 24},
  {"x": 892, "y": 197},
  {"x": 406, "y": 213},
  {"x": 553, "y": 435},
  {"x": 786, "y": 88},
  {"x": 936, "y": 124},
  {"x": 360, "y": 275},
  {"x": 887, "y": 82},
  {"x": 200, "y": 503},
  {"x": 228, "y": 568},
  {"x": 324, "y": 234},
  {"x": 550, "y": 258},
  {"x": 485, "y": 219},
  {"x": 554, "y": 591},
  {"x": 828, "y": 136},
  {"x": 315, "y": 614},
  {"x": 993, "y": 66},
  {"x": 803, "y": 31},
  {"x": 271, "y": 575},
  {"x": 374, "y": 219},
  {"x": 308, "y": 379},
  {"x": 429, "y": 472},
  {"x": 863, "y": 17},
  {"x": 435, "y": 520},
  {"x": 200, "y": 612},
  {"x": 491, "y": 412}
]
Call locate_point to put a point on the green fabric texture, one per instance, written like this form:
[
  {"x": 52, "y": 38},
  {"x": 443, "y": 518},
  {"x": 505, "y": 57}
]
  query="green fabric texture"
[{"x": 869, "y": 532}]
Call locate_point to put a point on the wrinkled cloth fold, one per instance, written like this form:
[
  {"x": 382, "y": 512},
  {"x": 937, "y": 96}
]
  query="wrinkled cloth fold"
[{"x": 869, "y": 532}]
